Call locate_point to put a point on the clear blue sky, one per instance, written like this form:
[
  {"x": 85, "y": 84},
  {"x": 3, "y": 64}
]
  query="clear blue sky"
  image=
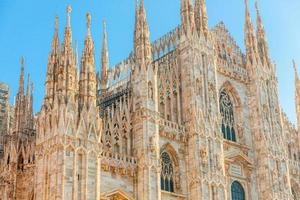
[{"x": 26, "y": 28}]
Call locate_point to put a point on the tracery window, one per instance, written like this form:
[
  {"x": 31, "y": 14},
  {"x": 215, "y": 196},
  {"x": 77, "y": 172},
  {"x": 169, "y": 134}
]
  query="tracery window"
[
  {"x": 237, "y": 191},
  {"x": 226, "y": 110},
  {"x": 166, "y": 178}
]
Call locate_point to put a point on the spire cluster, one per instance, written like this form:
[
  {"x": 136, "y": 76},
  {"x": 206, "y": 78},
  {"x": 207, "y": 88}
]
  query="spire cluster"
[
  {"x": 194, "y": 17},
  {"x": 62, "y": 82},
  {"x": 256, "y": 43},
  {"x": 23, "y": 106}
]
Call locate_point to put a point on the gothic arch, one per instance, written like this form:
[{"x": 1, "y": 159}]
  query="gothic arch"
[
  {"x": 170, "y": 173},
  {"x": 237, "y": 191},
  {"x": 170, "y": 149},
  {"x": 230, "y": 89},
  {"x": 235, "y": 99}
]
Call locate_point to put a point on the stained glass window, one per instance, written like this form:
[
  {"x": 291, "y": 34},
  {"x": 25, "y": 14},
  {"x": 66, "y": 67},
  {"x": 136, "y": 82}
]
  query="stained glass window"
[
  {"x": 226, "y": 110},
  {"x": 237, "y": 191},
  {"x": 166, "y": 179}
]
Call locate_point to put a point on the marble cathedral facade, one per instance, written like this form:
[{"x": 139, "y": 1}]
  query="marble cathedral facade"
[{"x": 188, "y": 116}]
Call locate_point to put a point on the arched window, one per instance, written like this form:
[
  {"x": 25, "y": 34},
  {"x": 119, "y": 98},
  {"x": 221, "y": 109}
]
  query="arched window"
[
  {"x": 226, "y": 110},
  {"x": 166, "y": 178},
  {"x": 237, "y": 191}
]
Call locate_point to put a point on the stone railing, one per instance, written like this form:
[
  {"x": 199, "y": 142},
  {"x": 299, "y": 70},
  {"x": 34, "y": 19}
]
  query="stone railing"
[
  {"x": 117, "y": 163},
  {"x": 233, "y": 71},
  {"x": 172, "y": 130}
]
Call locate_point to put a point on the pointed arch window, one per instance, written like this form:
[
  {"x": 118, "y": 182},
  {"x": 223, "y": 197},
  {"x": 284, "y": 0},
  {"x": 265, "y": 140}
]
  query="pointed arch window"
[
  {"x": 237, "y": 191},
  {"x": 166, "y": 178},
  {"x": 226, "y": 110}
]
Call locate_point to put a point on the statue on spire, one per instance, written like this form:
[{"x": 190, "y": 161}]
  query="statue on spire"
[
  {"x": 104, "y": 58},
  {"x": 69, "y": 10}
]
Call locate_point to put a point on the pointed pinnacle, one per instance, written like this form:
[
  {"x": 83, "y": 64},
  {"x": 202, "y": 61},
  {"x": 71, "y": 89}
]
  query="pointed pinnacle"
[
  {"x": 22, "y": 64},
  {"x": 88, "y": 22},
  {"x": 104, "y": 30},
  {"x": 21, "y": 81},
  {"x": 69, "y": 9},
  {"x": 246, "y": 8},
  {"x": 56, "y": 23},
  {"x": 259, "y": 21}
]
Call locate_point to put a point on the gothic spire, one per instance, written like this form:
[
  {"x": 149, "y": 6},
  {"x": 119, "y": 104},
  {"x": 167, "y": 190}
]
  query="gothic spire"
[
  {"x": 135, "y": 37},
  {"x": 19, "y": 105},
  {"x": 104, "y": 58},
  {"x": 87, "y": 82},
  {"x": 55, "y": 41},
  {"x": 250, "y": 39},
  {"x": 198, "y": 16},
  {"x": 53, "y": 62},
  {"x": 21, "y": 80},
  {"x": 67, "y": 86},
  {"x": 187, "y": 16},
  {"x": 261, "y": 37},
  {"x": 142, "y": 49},
  {"x": 67, "y": 43},
  {"x": 204, "y": 17},
  {"x": 201, "y": 19}
]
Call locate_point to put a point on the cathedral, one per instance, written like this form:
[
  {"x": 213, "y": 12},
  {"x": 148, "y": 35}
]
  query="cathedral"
[{"x": 188, "y": 116}]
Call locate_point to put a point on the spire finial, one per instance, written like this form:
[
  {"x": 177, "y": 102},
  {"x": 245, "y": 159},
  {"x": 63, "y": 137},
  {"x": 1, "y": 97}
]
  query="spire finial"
[
  {"x": 104, "y": 27},
  {"x": 69, "y": 10},
  {"x": 136, "y": 5},
  {"x": 21, "y": 81},
  {"x": 22, "y": 64},
  {"x": 259, "y": 21},
  {"x": 247, "y": 9},
  {"x": 104, "y": 56},
  {"x": 56, "y": 23},
  {"x": 88, "y": 22}
]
